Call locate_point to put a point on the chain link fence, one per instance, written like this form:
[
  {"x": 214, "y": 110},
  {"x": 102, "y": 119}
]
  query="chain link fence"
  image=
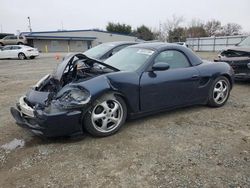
[{"x": 212, "y": 44}]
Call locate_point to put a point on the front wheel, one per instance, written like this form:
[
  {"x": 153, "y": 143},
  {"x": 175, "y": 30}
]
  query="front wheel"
[
  {"x": 106, "y": 116},
  {"x": 219, "y": 92}
]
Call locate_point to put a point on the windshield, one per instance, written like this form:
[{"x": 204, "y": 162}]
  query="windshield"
[
  {"x": 129, "y": 59},
  {"x": 98, "y": 51},
  {"x": 245, "y": 42}
]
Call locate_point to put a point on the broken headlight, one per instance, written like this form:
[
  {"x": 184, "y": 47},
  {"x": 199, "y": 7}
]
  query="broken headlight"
[{"x": 73, "y": 98}]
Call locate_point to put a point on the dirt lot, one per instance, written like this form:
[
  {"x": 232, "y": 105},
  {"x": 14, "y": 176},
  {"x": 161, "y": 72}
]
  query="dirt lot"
[{"x": 192, "y": 147}]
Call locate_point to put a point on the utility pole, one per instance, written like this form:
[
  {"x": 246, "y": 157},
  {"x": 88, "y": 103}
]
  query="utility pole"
[{"x": 29, "y": 24}]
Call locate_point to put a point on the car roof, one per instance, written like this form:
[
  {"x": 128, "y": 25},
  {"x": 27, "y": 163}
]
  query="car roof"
[
  {"x": 158, "y": 46},
  {"x": 18, "y": 45},
  {"x": 155, "y": 45},
  {"x": 117, "y": 43}
]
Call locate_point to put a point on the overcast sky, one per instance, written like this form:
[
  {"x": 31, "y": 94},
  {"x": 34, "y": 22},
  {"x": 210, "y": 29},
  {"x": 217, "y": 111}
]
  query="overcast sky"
[{"x": 83, "y": 14}]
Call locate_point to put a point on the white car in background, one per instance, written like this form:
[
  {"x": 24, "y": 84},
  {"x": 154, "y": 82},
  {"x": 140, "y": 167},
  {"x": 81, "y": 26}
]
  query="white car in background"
[
  {"x": 182, "y": 44},
  {"x": 18, "y": 51}
]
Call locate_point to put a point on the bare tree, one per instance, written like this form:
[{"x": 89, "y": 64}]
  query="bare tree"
[
  {"x": 196, "y": 23},
  {"x": 231, "y": 29},
  {"x": 213, "y": 27}
]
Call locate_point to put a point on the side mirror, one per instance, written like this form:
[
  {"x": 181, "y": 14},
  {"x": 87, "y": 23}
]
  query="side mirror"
[{"x": 161, "y": 66}]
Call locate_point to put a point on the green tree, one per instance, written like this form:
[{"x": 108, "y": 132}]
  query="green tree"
[
  {"x": 177, "y": 35},
  {"x": 119, "y": 28},
  {"x": 144, "y": 33}
]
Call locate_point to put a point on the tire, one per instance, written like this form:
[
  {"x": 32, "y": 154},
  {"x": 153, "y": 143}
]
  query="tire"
[
  {"x": 1, "y": 44},
  {"x": 32, "y": 57},
  {"x": 21, "y": 56},
  {"x": 106, "y": 116},
  {"x": 19, "y": 43},
  {"x": 219, "y": 92}
]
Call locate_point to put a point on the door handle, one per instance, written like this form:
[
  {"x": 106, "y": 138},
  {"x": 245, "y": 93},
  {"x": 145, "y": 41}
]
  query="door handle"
[{"x": 195, "y": 77}]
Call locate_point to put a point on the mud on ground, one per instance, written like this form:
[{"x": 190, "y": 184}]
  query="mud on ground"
[{"x": 191, "y": 147}]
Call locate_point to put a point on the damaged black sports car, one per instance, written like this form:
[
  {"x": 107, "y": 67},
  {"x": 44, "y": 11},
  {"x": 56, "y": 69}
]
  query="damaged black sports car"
[
  {"x": 239, "y": 58},
  {"x": 138, "y": 80}
]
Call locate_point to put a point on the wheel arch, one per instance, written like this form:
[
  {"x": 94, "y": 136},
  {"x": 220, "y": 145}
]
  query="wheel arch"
[{"x": 229, "y": 79}]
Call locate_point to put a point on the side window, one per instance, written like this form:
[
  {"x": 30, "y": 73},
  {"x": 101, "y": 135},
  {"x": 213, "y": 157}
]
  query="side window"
[
  {"x": 7, "y": 38},
  {"x": 117, "y": 49},
  {"x": 7, "y": 48},
  {"x": 174, "y": 58},
  {"x": 16, "y": 47},
  {"x": 21, "y": 37},
  {"x": 13, "y": 37}
]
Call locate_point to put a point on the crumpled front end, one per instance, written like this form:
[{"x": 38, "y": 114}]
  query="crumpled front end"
[
  {"x": 51, "y": 116},
  {"x": 55, "y": 105}
]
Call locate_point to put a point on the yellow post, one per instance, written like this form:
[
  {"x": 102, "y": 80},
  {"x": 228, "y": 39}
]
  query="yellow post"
[{"x": 46, "y": 48}]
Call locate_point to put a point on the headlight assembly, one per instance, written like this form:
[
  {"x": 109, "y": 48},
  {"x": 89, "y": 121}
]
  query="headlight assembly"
[{"x": 73, "y": 98}]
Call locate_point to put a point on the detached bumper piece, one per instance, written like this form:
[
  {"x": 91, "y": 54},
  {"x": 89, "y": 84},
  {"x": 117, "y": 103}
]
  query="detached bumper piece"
[{"x": 49, "y": 125}]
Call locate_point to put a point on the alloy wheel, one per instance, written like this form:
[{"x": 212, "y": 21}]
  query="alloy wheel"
[
  {"x": 107, "y": 115},
  {"x": 220, "y": 92}
]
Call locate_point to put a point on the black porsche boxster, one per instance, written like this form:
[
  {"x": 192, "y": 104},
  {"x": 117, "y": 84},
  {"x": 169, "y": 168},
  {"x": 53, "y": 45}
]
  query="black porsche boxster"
[{"x": 137, "y": 81}]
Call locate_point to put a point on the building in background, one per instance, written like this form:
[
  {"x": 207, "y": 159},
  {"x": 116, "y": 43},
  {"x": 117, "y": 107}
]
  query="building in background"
[{"x": 72, "y": 40}]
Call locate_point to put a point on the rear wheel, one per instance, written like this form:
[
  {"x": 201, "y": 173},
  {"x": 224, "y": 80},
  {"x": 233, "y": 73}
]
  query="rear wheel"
[
  {"x": 106, "y": 116},
  {"x": 219, "y": 92},
  {"x": 21, "y": 56}
]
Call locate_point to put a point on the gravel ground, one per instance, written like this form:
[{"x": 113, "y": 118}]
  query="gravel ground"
[{"x": 191, "y": 147}]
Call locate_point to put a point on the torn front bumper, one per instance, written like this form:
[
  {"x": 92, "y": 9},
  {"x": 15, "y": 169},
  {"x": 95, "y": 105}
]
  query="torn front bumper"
[{"x": 54, "y": 124}]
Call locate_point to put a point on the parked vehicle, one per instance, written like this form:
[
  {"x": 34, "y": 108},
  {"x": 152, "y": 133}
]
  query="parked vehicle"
[
  {"x": 182, "y": 44},
  {"x": 239, "y": 58},
  {"x": 138, "y": 80},
  {"x": 106, "y": 50},
  {"x": 18, "y": 51},
  {"x": 12, "y": 40}
]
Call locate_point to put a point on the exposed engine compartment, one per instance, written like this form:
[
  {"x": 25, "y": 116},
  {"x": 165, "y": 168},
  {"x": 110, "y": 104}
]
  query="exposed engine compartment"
[{"x": 74, "y": 69}]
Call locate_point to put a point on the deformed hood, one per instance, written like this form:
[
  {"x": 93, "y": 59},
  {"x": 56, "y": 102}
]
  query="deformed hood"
[
  {"x": 238, "y": 48},
  {"x": 70, "y": 62}
]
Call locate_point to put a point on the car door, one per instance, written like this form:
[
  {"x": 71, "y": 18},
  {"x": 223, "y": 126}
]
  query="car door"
[
  {"x": 6, "y": 40},
  {"x": 12, "y": 40},
  {"x": 14, "y": 51},
  {"x": 4, "y": 53},
  {"x": 172, "y": 87}
]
